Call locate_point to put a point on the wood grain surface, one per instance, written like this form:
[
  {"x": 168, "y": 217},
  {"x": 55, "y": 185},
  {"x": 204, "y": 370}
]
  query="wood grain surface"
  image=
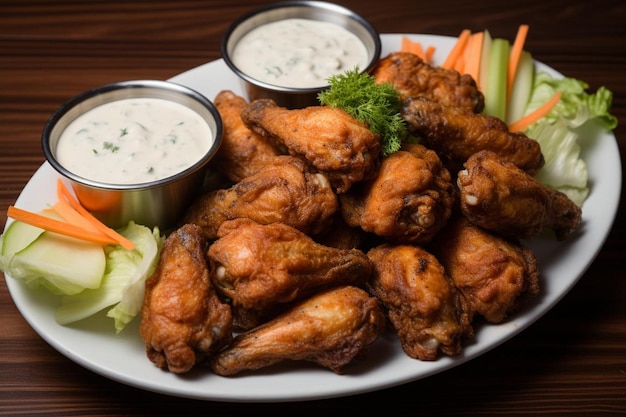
[{"x": 571, "y": 362}]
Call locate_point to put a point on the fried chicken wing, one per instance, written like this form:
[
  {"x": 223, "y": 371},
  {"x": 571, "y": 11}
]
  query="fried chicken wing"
[
  {"x": 261, "y": 268},
  {"x": 500, "y": 197},
  {"x": 328, "y": 138},
  {"x": 495, "y": 275},
  {"x": 457, "y": 133},
  {"x": 409, "y": 200},
  {"x": 182, "y": 319},
  {"x": 412, "y": 76},
  {"x": 331, "y": 329},
  {"x": 424, "y": 308},
  {"x": 242, "y": 152},
  {"x": 283, "y": 191}
]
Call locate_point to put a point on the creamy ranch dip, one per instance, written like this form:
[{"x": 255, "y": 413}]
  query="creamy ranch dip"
[
  {"x": 134, "y": 140},
  {"x": 298, "y": 52}
]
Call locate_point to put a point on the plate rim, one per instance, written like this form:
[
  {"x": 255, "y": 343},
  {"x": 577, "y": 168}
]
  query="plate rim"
[{"x": 506, "y": 331}]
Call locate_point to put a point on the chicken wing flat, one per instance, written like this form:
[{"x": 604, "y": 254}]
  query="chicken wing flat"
[
  {"x": 500, "y": 197},
  {"x": 283, "y": 191},
  {"x": 457, "y": 133},
  {"x": 495, "y": 275},
  {"x": 328, "y": 138},
  {"x": 331, "y": 329},
  {"x": 408, "y": 202},
  {"x": 261, "y": 268},
  {"x": 182, "y": 319},
  {"x": 242, "y": 152},
  {"x": 411, "y": 76},
  {"x": 425, "y": 309}
]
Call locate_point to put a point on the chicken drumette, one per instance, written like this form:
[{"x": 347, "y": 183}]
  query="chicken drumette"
[
  {"x": 495, "y": 275},
  {"x": 182, "y": 320},
  {"x": 331, "y": 328},
  {"x": 242, "y": 152},
  {"x": 423, "y": 306},
  {"x": 500, "y": 197},
  {"x": 411, "y": 76},
  {"x": 457, "y": 133},
  {"x": 283, "y": 191},
  {"x": 262, "y": 268},
  {"x": 328, "y": 138},
  {"x": 408, "y": 202}
]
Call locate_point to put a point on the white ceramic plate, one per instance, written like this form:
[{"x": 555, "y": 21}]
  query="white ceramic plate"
[{"x": 93, "y": 343}]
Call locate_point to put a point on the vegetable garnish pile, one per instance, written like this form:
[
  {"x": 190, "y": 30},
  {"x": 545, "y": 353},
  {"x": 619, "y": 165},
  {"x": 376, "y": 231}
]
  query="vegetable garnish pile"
[
  {"x": 376, "y": 105},
  {"x": 69, "y": 252},
  {"x": 552, "y": 110}
]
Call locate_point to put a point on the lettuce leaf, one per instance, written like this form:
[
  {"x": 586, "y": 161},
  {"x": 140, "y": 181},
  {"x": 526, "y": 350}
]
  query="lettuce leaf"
[
  {"x": 123, "y": 281},
  {"x": 557, "y": 132},
  {"x": 576, "y": 106}
]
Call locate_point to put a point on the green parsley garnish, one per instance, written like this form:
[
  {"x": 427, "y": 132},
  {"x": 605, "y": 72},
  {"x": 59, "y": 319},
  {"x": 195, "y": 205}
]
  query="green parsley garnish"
[
  {"x": 109, "y": 146},
  {"x": 377, "y": 105}
]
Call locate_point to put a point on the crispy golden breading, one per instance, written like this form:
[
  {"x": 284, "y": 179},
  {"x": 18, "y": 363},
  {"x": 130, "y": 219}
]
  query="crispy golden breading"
[
  {"x": 182, "y": 320},
  {"x": 261, "y": 268},
  {"x": 424, "y": 308},
  {"x": 494, "y": 274},
  {"x": 456, "y": 134},
  {"x": 411, "y": 76},
  {"x": 408, "y": 202},
  {"x": 331, "y": 328},
  {"x": 328, "y": 138},
  {"x": 283, "y": 191},
  {"x": 242, "y": 152},
  {"x": 500, "y": 197}
]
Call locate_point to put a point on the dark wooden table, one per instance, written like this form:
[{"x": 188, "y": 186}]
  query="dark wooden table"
[{"x": 571, "y": 362}]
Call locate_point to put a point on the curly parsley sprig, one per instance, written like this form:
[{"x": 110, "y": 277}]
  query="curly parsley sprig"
[{"x": 377, "y": 105}]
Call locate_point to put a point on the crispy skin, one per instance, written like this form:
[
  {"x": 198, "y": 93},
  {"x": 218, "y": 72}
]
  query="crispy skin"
[
  {"x": 261, "y": 268},
  {"x": 500, "y": 197},
  {"x": 242, "y": 152},
  {"x": 422, "y": 305},
  {"x": 409, "y": 201},
  {"x": 456, "y": 134},
  {"x": 283, "y": 191},
  {"x": 494, "y": 274},
  {"x": 331, "y": 328},
  {"x": 411, "y": 76},
  {"x": 182, "y": 319},
  {"x": 328, "y": 138}
]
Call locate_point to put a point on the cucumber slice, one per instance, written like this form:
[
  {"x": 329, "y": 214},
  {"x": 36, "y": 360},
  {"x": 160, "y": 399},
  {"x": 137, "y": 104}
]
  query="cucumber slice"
[
  {"x": 61, "y": 264},
  {"x": 16, "y": 237}
]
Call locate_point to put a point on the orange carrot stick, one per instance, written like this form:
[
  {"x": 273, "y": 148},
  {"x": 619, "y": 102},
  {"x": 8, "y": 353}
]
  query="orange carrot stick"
[
  {"x": 58, "y": 226},
  {"x": 430, "y": 51},
  {"x": 457, "y": 50},
  {"x": 63, "y": 209},
  {"x": 537, "y": 114},
  {"x": 514, "y": 57},
  {"x": 118, "y": 238},
  {"x": 473, "y": 56},
  {"x": 408, "y": 45}
]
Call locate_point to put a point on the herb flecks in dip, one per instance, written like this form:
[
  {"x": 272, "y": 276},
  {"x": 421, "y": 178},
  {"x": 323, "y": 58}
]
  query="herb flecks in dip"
[
  {"x": 299, "y": 53},
  {"x": 133, "y": 141}
]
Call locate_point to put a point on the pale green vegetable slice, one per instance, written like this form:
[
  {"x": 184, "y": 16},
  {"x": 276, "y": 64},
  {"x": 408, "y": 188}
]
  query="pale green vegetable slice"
[
  {"x": 123, "y": 282},
  {"x": 16, "y": 237},
  {"x": 521, "y": 89},
  {"x": 495, "y": 89},
  {"x": 62, "y": 264},
  {"x": 483, "y": 73}
]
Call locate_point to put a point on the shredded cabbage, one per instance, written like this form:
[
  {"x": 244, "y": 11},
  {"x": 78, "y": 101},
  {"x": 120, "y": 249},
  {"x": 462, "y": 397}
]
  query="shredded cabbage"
[{"x": 123, "y": 281}]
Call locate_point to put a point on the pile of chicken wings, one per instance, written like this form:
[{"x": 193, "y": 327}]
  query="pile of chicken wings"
[{"x": 307, "y": 244}]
